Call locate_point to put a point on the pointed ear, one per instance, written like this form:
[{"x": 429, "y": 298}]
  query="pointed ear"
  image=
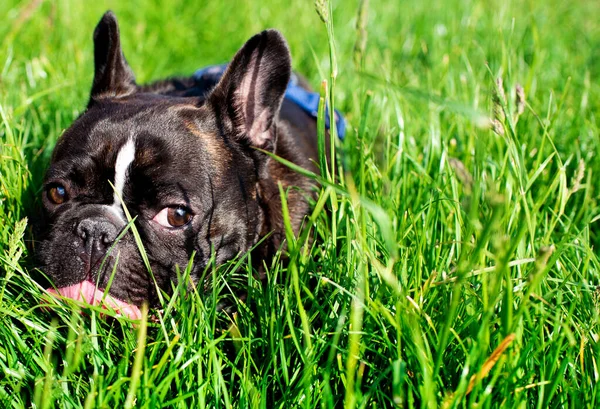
[
  {"x": 248, "y": 97},
  {"x": 112, "y": 75}
]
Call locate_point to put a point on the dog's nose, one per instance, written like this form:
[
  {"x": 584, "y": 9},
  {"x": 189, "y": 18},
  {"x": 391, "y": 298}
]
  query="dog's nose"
[{"x": 98, "y": 233}]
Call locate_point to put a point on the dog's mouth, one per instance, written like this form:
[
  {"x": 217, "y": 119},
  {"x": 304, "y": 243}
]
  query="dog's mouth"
[{"x": 89, "y": 293}]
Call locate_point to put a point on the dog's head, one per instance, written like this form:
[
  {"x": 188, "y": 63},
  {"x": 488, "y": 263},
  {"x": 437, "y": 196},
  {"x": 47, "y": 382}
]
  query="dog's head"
[{"x": 184, "y": 169}]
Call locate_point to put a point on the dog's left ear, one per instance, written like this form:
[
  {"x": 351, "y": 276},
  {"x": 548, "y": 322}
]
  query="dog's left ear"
[
  {"x": 112, "y": 75},
  {"x": 248, "y": 97}
]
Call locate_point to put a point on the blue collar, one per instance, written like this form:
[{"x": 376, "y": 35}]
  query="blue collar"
[{"x": 307, "y": 101}]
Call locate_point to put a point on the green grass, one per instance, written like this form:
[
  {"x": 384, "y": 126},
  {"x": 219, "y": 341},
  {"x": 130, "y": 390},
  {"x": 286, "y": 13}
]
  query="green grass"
[{"x": 452, "y": 266}]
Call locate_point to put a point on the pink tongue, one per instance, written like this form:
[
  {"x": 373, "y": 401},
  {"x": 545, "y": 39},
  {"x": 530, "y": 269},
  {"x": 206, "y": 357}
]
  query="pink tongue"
[{"x": 88, "y": 292}]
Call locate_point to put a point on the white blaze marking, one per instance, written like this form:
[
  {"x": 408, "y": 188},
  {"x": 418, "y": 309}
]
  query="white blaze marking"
[
  {"x": 125, "y": 156},
  {"x": 117, "y": 212}
]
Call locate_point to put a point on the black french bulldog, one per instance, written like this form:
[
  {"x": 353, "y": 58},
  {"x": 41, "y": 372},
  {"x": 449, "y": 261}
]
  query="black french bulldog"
[{"x": 180, "y": 155}]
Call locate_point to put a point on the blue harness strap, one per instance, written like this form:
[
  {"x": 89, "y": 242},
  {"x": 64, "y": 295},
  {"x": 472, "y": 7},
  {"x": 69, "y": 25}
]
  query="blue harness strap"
[{"x": 307, "y": 101}]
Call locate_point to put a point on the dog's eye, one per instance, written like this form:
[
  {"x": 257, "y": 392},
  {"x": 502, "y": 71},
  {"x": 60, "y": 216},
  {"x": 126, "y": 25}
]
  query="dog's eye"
[
  {"x": 173, "y": 216},
  {"x": 57, "y": 194}
]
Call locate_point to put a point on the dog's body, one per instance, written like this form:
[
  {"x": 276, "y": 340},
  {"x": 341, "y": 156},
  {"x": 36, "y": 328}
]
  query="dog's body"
[{"x": 181, "y": 157}]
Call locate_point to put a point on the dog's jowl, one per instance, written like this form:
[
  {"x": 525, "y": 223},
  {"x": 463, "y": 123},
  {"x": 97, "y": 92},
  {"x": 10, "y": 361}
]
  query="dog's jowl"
[{"x": 180, "y": 158}]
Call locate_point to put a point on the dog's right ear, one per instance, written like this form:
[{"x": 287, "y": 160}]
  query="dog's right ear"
[{"x": 113, "y": 77}]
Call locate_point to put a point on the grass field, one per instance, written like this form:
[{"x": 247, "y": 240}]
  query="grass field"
[{"x": 455, "y": 261}]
